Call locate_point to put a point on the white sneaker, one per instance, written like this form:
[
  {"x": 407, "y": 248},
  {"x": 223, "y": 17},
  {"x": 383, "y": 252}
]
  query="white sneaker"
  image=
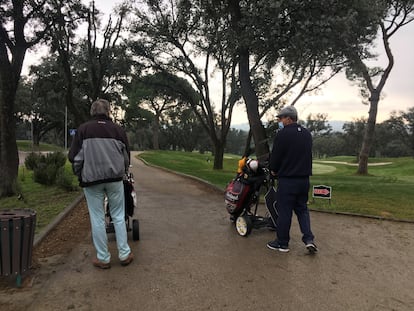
[
  {"x": 311, "y": 247},
  {"x": 276, "y": 246}
]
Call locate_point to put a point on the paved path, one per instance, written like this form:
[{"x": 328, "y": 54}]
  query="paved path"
[{"x": 191, "y": 258}]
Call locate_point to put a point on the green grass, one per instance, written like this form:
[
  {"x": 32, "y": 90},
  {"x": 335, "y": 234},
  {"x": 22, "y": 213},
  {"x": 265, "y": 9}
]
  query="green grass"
[
  {"x": 195, "y": 164},
  {"x": 26, "y": 146},
  {"x": 47, "y": 201},
  {"x": 387, "y": 191}
]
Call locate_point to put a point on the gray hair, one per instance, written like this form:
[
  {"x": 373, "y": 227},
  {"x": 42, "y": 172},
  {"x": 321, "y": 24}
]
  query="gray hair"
[{"x": 100, "y": 106}]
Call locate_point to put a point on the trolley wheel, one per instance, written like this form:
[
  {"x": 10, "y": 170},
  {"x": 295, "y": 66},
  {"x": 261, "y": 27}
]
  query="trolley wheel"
[
  {"x": 135, "y": 229},
  {"x": 244, "y": 225}
]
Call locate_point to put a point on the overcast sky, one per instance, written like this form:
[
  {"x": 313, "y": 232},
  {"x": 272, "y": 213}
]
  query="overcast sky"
[
  {"x": 341, "y": 100},
  {"x": 338, "y": 98}
]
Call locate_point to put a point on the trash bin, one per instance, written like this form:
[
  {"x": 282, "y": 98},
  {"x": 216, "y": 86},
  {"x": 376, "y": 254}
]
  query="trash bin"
[{"x": 17, "y": 227}]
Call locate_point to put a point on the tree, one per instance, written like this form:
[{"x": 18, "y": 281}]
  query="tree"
[
  {"x": 249, "y": 95},
  {"x": 175, "y": 38},
  {"x": 396, "y": 14},
  {"x": 41, "y": 103},
  {"x": 95, "y": 64},
  {"x": 109, "y": 63},
  {"x": 354, "y": 133},
  {"x": 318, "y": 124},
  {"x": 236, "y": 141},
  {"x": 409, "y": 119},
  {"x": 137, "y": 122},
  {"x": 156, "y": 94},
  {"x": 297, "y": 37},
  {"x": 183, "y": 130},
  {"x": 63, "y": 42},
  {"x": 23, "y": 24},
  {"x": 394, "y": 136},
  {"x": 329, "y": 145},
  {"x": 160, "y": 94}
]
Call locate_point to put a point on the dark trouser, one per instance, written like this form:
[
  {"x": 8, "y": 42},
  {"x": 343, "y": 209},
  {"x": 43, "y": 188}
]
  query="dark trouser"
[{"x": 292, "y": 195}]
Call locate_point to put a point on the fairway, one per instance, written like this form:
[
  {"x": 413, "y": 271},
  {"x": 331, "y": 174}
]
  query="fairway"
[
  {"x": 319, "y": 168},
  {"x": 322, "y": 168}
]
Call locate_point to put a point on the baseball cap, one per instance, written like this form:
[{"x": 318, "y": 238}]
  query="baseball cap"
[{"x": 288, "y": 111}]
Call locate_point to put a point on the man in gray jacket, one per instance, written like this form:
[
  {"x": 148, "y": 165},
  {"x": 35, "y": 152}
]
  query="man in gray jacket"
[{"x": 100, "y": 157}]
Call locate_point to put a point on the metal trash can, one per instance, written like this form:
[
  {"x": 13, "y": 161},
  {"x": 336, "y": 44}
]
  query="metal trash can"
[{"x": 17, "y": 227}]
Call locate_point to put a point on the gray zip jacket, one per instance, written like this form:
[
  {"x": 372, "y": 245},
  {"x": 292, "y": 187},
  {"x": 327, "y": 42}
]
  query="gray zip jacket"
[{"x": 99, "y": 152}]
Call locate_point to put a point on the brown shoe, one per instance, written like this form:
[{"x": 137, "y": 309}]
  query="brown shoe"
[
  {"x": 128, "y": 260},
  {"x": 99, "y": 264}
]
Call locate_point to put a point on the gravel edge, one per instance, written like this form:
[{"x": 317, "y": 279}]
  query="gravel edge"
[{"x": 46, "y": 230}]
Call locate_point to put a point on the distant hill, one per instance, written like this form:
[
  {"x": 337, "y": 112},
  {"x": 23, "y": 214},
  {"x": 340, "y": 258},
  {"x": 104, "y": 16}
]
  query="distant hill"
[
  {"x": 241, "y": 126},
  {"x": 336, "y": 126}
]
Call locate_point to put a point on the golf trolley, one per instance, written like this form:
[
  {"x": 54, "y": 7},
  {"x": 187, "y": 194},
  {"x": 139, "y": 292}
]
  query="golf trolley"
[
  {"x": 130, "y": 204},
  {"x": 242, "y": 198}
]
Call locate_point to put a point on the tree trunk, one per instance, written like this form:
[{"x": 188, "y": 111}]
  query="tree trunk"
[
  {"x": 252, "y": 106},
  {"x": 218, "y": 155},
  {"x": 9, "y": 157},
  {"x": 247, "y": 90},
  {"x": 247, "y": 149},
  {"x": 368, "y": 135},
  {"x": 36, "y": 133},
  {"x": 155, "y": 132},
  {"x": 79, "y": 116}
]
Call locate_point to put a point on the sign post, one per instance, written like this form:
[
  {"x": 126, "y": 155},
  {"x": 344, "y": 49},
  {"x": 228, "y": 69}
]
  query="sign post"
[{"x": 322, "y": 192}]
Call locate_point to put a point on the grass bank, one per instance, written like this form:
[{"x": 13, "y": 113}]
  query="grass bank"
[
  {"x": 386, "y": 192},
  {"x": 47, "y": 201},
  {"x": 27, "y": 146}
]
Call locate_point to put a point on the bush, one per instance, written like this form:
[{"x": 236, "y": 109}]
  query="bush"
[
  {"x": 65, "y": 181},
  {"x": 32, "y": 160},
  {"x": 47, "y": 168},
  {"x": 55, "y": 158},
  {"x": 45, "y": 174}
]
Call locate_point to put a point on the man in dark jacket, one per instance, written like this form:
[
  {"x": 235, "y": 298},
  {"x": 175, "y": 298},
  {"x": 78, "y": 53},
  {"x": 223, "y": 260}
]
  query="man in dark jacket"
[
  {"x": 100, "y": 157},
  {"x": 291, "y": 164}
]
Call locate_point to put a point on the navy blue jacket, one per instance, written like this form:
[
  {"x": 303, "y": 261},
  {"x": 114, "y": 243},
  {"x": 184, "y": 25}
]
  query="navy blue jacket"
[{"x": 292, "y": 152}]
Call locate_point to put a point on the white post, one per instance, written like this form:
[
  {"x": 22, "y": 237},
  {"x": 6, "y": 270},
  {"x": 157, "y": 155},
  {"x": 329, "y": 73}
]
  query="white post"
[
  {"x": 66, "y": 128},
  {"x": 31, "y": 131}
]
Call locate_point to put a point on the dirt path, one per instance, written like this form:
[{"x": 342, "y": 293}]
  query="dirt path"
[{"x": 190, "y": 258}]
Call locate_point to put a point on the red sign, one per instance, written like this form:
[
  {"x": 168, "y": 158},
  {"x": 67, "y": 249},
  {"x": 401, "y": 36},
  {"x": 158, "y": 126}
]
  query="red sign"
[{"x": 322, "y": 191}]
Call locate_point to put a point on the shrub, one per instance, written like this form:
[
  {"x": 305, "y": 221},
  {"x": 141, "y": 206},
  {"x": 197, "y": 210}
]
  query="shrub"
[
  {"x": 55, "y": 158},
  {"x": 46, "y": 168},
  {"x": 32, "y": 160},
  {"x": 45, "y": 174},
  {"x": 65, "y": 180}
]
